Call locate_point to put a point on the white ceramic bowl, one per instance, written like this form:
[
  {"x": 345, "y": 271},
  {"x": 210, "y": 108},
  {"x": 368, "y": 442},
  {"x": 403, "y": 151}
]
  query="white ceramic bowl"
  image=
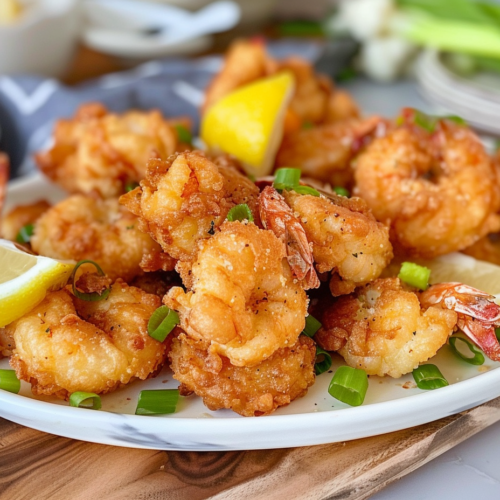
[{"x": 43, "y": 40}]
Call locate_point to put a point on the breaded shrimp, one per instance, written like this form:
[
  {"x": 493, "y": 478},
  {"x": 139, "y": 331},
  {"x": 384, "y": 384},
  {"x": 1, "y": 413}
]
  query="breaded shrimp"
[
  {"x": 438, "y": 190},
  {"x": 487, "y": 248},
  {"x": 20, "y": 216},
  {"x": 325, "y": 152},
  {"x": 250, "y": 391},
  {"x": 185, "y": 199},
  {"x": 383, "y": 329},
  {"x": 81, "y": 228},
  {"x": 341, "y": 106},
  {"x": 278, "y": 217},
  {"x": 66, "y": 345},
  {"x": 99, "y": 151},
  {"x": 243, "y": 302},
  {"x": 346, "y": 239}
]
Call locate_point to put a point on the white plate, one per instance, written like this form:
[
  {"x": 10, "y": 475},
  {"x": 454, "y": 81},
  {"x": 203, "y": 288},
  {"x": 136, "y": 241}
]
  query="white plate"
[{"x": 315, "y": 419}]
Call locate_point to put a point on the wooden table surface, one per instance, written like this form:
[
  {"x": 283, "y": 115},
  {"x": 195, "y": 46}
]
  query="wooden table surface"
[
  {"x": 39, "y": 466},
  {"x": 35, "y": 465}
]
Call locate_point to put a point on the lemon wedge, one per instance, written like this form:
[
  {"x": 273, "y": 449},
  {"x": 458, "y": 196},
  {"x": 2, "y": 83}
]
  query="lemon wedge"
[
  {"x": 248, "y": 123},
  {"x": 25, "y": 279}
]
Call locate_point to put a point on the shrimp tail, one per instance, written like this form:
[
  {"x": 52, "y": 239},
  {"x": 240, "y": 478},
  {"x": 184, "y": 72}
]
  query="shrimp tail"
[
  {"x": 278, "y": 217},
  {"x": 478, "y": 315}
]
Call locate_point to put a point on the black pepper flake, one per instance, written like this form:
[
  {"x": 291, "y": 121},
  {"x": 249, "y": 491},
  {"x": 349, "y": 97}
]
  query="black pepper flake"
[
  {"x": 355, "y": 255},
  {"x": 211, "y": 231}
]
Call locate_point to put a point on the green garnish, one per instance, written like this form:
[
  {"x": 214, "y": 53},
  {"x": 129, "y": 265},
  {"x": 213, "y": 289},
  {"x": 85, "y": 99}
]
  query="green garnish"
[
  {"x": 157, "y": 402},
  {"x": 477, "y": 357},
  {"x": 325, "y": 362},
  {"x": 162, "y": 322},
  {"x": 341, "y": 191},
  {"x": 9, "y": 382},
  {"x": 130, "y": 186},
  {"x": 87, "y": 400},
  {"x": 414, "y": 275},
  {"x": 183, "y": 134},
  {"x": 93, "y": 296},
  {"x": 349, "y": 385},
  {"x": 428, "y": 377},
  {"x": 289, "y": 178},
  {"x": 312, "y": 326},
  {"x": 25, "y": 233},
  {"x": 240, "y": 213}
]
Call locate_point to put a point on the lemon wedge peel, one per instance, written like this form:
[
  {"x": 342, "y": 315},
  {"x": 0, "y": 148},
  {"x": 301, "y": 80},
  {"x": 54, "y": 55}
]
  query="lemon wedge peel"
[
  {"x": 248, "y": 123},
  {"x": 22, "y": 293}
]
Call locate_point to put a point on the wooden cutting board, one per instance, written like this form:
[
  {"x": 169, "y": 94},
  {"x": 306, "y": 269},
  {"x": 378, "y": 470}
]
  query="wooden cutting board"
[{"x": 39, "y": 466}]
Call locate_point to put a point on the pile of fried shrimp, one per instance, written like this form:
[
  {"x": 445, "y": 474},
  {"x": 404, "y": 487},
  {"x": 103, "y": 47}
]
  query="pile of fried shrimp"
[{"x": 152, "y": 211}]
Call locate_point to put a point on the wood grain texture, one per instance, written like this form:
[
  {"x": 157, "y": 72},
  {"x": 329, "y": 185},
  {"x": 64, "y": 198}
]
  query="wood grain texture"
[{"x": 35, "y": 465}]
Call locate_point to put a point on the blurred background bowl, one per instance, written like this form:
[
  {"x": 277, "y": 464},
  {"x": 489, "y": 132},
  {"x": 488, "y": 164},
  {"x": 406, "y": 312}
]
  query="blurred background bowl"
[{"x": 42, "y": 40}]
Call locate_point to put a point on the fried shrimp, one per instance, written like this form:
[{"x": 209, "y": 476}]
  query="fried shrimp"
[
  {"x": 20, "y": 216},
  {"x": 81, "y": 228},
  {"x": 99, "y": 151},
  {"x": 346, "y": 239},
  {"x": 250, "y": 391},
  {"x": 66, "y": 345},
  {"x": 487, "y": 248},
  {"x": 277, "y": 216},
  {"x": 183, "y": 200},
  {"x": 243, "y": 303},
  {"x": 384, "y": 330},
  {"x": 437, "y": 190},
  {"x": 325, "y": 152}
]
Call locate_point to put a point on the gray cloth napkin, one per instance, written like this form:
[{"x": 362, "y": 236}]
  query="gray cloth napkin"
[{"x": 29, "y": 105}]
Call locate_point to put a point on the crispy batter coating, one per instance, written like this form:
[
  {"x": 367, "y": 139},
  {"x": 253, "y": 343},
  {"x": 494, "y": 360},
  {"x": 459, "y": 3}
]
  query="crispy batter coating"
[
  {"x": 382, "y": 329},
  {"x": 183, "y": 200},
  {"x": 315, "y": 99},
  {"x": 7, "y": 343},
  {"x": 20, "y": 216},
  {"x": 99, "y": 151},
  {"x": 66, "y": 345},
  {"x": 438, "y": 191},
  {"x": 249, "y": 391},
  {"x": 82, "y": 227},
  {"x": 325, "y": 152},
  {"x": 244, "y": 302},
  {"x": 346, "y": 239},
  {"x": 487, "y": 248}
]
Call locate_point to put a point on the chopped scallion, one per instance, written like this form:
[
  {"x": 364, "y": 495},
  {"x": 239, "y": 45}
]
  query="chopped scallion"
[
  {"x": 306, "y": 190},
  {"x": 428, "y": 377},
  {"x": 130, "y": 186},
  {"x": 92, "y": 296},
  {"x": 286, "y": 178},
  {"x": 162, "y": 322},
  {"x": 157, "y": 402},
  {"x": 88, "y": 400},
  {"x": 341, "y": 191},
  {"x": 349, "y": 385},
  {"x": 240, "y": 213},
  {"x": 183, "y": 134},
  {"x": 312, "y": 326},
  {"x": 325, "y": 364},
  {"x": 477, "y": 357},
  {"x": 414, "y": 275},
  {"x": 25, "y": 233},
  {"x": 9, "y": 382}
]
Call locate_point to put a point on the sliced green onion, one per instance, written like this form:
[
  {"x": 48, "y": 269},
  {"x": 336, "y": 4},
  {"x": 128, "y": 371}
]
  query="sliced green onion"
[
  {"x": 428, "y": 377},
  {"x": 306, "y": 190},
  {"x": 346, "y": 74},
  {"x": 9, "y": 382},
  {"x": 130, "y": 186},
  {"x": 286, "y": 178},
  {"x": 162, "y": 322},
  {"x": 476, "y": 359},
  {"x": 158, "y": 402},
  {"x": 93, "y": 296},
  {"x": 240, "y": 213},
  {"x": 414, "y": 275},
  {"x": 341, "y": 191},
  {"x": 324, "y": 365},
  {"x": 349, "y": 385},
  {"x": 25, "y": 233},
  {"x": 307, "y": 125},
  {"x": 85, "y": 400},
  {"x": 312, "y": 326},
  {"x": 183, "y": 134},
  {"x": 429, "y": 122},
  {"x": 455, "y": 119}
]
